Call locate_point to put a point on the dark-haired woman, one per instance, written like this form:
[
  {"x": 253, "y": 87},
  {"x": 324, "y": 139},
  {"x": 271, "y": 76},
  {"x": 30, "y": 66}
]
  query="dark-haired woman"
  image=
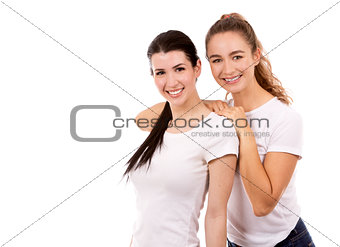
[{"x": 179, "y": 163}]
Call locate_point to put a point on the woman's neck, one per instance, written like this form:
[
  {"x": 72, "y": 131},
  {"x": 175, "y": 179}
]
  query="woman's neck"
[
  {"x": 190, "y": 109},
  {"x": 252, "y": 97}
]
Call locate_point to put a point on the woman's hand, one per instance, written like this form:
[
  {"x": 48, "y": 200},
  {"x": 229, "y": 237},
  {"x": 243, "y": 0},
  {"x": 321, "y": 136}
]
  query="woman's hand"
[
  {"x": 234, "y": 114},
  {"x": 238, "y": 118},
  {"x": 215, "y": 105}
]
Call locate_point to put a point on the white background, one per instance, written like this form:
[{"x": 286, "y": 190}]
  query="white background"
[{"x": 41, "y": 165}]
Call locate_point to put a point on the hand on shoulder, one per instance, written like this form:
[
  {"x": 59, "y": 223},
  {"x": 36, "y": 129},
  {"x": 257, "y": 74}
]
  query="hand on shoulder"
[{"x": 215, "y": 105}]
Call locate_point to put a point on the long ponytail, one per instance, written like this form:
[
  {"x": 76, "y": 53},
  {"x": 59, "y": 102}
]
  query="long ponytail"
[
  {"x": 171, "y": 40},
  {"x": 145, "y": 152}
]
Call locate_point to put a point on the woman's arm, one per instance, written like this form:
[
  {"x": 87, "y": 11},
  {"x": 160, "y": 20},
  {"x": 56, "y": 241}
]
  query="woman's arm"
[
  {"x": 221, "y": 176},
  {"x": 151, "y": 115},
  {"x": 264, "y": 183}
]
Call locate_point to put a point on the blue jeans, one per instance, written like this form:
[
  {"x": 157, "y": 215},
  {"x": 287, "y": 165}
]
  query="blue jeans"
[{"x": 298, "y": 237}]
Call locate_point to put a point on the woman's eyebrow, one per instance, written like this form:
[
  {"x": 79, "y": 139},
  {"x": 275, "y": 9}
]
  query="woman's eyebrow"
[
  {"x": 231, "y": 54},
  {"x": 235, "y": 52},
  {"x": 214, "y": 55},
  {"x": 158, "y": 69},
  {"x": 178, "y": 65}
]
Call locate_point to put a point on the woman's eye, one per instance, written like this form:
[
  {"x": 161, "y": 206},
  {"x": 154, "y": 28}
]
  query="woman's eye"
[
  {"x": 237, "y": 57},
  {"x": 179, "y": 69},
  {"x": 217, "y": 60},
  {"x": 160, "y": 73}
]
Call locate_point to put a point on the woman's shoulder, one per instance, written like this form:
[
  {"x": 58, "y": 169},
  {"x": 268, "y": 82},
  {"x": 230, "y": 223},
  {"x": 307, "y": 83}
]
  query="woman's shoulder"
[
  {"x": 150, "y": 116},
  {"x": 216, "y": 120},
  {"x": 288, "y": 110},
  {"x": 287, "y": 116},
  {"x": 221, "y": 126}
]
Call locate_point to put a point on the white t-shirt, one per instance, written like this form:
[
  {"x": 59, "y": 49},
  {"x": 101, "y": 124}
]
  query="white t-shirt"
[
  {"x": 171, "y": 193},
  {"x": 281, "y": 133}
]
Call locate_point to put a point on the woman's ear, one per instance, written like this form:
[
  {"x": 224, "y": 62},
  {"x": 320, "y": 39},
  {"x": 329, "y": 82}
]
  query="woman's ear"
[
  {"x": 257, "y": 56},
  {"x": 197, "y": 68}
]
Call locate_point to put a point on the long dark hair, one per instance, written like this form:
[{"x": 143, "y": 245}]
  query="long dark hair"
[{"x": 171, "y": 40}]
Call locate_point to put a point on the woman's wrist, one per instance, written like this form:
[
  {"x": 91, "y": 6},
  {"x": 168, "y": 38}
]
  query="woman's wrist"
[
  {"x": 244, "y": 132},
  {"x": 246, "y": 136}
]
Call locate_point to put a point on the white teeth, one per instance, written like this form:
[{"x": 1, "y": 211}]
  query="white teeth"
[
  {"x": 175, "y": 92},
  {"x": 232, "y": 79}
]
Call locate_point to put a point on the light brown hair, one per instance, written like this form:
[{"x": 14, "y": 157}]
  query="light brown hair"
[{"x": 263, "y": 71}]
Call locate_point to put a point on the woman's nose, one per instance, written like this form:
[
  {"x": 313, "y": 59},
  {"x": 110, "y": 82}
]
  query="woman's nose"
[
  {"x": 171, "y": 80},
  {"x": 228, "y": 68}
]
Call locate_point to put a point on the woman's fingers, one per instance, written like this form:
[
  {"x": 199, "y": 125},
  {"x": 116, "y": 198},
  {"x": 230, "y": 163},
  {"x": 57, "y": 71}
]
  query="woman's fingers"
[
  {"x": 220, "y": 105},
  {"x": 215, "y": 105},
  {"x": 226, "y": 112},
  {"x": 209, "y": 104},
  {"x": 226, "y": 96}
]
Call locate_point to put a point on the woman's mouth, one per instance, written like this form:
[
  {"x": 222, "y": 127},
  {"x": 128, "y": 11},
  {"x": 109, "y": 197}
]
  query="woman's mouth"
[
  {"x": 175, "y": 93},
  {"x": 232, "y": 80}
]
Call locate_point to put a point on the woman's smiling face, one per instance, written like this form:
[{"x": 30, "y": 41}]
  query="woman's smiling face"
[
  {"x": 174, "y": 76},
  {"x": 231, "y": 61}
]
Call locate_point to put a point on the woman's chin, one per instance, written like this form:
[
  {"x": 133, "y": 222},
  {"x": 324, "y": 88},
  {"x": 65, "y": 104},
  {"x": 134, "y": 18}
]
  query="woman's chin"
[
  {"x": 175, "y": 103},
  {"x": 234, "y": 89}
]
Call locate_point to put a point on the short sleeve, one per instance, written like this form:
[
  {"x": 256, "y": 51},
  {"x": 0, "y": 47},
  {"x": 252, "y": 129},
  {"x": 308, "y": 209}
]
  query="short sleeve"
[
  {"x": 225, "y": 143},
  {"x": 287, "y": 134}
]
